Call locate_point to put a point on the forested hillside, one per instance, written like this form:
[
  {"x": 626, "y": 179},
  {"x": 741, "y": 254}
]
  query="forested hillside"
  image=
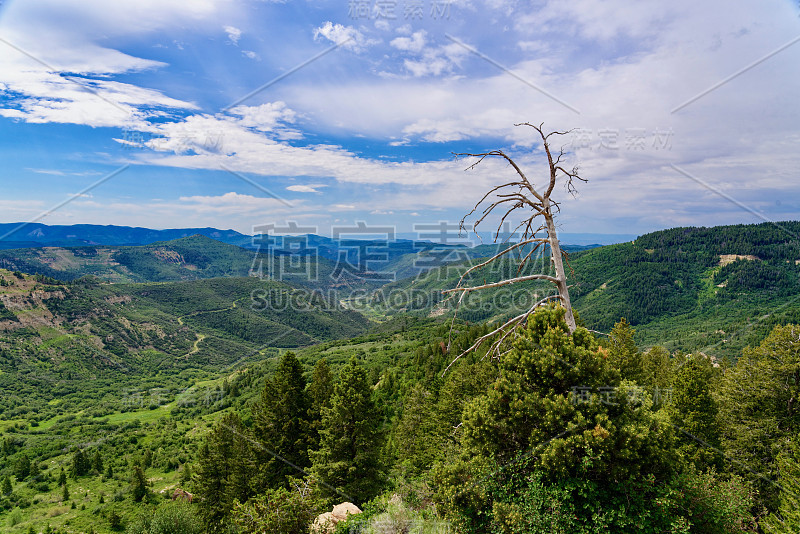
[
  {"x": 189, "y": 258},
  {"x": 58, "y": 340},
  {"x": 712, "y": 289},
  {"x": 267, "y": 402}
]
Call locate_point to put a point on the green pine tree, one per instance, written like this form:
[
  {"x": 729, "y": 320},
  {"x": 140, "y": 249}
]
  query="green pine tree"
[
  {"x": 212, "y": 481},
  {"x": 350, "y": 441},
  {"x": 224, "y": 470},
  {"x": 97, "y": 462},
  {"x": 759, "y": 408},
  {"x": 62, "y": 477},
  {"x": 623, "y": 353},
  {"x": 282, "y": 426},
  {"x": 186, "y": 474},
  {"x": 6, "y": 489},
  {"x": 22, "y": 467},
  {"x": 65, "y": 494},
  {"x": 320, "y": 391},
  {"x": 114, "y": 520},
  {"x": 419, "y": 434},
  {"x": 80, "y": 463},
  {"x": 786, "y": 519},
  {"x": 695, "y": 413},
  {"x": 139, "y": 483},
  {"x": 556, "y": 422},
  {"x": 656, "y": 369},
  {"x": 147, "y": 459},
  {"x": 35, "y": 471}
]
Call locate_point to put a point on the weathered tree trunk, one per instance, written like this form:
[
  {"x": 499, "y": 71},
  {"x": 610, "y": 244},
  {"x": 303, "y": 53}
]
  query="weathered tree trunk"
[{"x": 558, "y": 265}]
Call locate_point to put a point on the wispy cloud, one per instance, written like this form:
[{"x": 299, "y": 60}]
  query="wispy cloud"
[
  {"x": 57, "y": 172},
  {"x": 304, "y": 188},
  {"x": 347, "y": 36},
  {"x": 234, "y": 34}
]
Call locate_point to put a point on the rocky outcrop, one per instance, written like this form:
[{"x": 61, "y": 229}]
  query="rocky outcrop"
[
  {"x": 326, "y": 523},
  {"x": 182, "y": 495}
]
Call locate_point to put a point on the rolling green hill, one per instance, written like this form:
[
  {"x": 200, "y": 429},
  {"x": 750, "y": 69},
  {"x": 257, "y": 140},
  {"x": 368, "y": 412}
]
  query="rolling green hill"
[
  {"x": 713, "y": 289},
  {"x": 183, "y": 259},
  {"x": 190, "y": 258},
  {"x": 58, "y": 339}
]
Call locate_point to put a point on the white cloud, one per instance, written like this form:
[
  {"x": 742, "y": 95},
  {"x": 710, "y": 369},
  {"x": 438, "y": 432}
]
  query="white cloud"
[
  {"x": 93, "y": 102},
  {"x": 345, "y": 36},
  {"x": 53, "y": 172},
  {"x": 603, "y": 21},
  {"x": 265, "y": 117},
  {"x": 533, "y": 46},
  {"x": 250, "y": 54},
  {"x": 23, "y": 209},
  {"x": 60, "y": 72},
  {"x": 58, "y": 172},
  {"x": 95, "y": 18},
  {"x": 303, "y": 189},
  {"x": 431, "y": 64},
  {"x": 231, "y": 203},
  {"x": 428, "y": 60},
  {"x": 222, "y": 141},
  {"x": 229, "y": 210},
  {"x": 222, "y": 134},
  {"x": 234, "y": 34},
  {"x": 415, "y": 43}
]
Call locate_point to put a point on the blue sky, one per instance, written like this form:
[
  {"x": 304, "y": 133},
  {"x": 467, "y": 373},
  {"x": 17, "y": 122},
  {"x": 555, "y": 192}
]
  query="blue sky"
[{"x": 234, "y": 114}]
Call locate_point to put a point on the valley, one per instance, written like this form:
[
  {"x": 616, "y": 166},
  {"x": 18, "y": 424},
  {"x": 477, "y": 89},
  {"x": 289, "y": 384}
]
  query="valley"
[{"x": 137, "y": 353}]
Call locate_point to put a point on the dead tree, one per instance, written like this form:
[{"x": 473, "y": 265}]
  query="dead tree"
[{"x": 538, "y": 231}]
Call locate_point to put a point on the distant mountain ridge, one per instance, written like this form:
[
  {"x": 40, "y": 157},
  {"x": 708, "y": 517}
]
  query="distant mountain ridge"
[
  {"x": 35, "y": 235},
  {"x": 26, "y": 235},
  {"x": 318, "y": 262}
]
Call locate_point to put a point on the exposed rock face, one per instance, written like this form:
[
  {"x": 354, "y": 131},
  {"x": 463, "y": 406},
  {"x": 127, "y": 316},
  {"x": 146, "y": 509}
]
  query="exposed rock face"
[
  {"x": 326, "y": 523},
  {"x": 323, "y": 524},
  {"x": 725, "y": 259},
  {"x": 341, "y": 511}
]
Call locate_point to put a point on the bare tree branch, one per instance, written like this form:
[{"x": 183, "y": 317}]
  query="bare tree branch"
[
  {"x": 498, "y": 255},
  {"x": 520, "y": 197},
  {"x": 504, "y": 283},
  {"x": 518, "y": 319}
]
